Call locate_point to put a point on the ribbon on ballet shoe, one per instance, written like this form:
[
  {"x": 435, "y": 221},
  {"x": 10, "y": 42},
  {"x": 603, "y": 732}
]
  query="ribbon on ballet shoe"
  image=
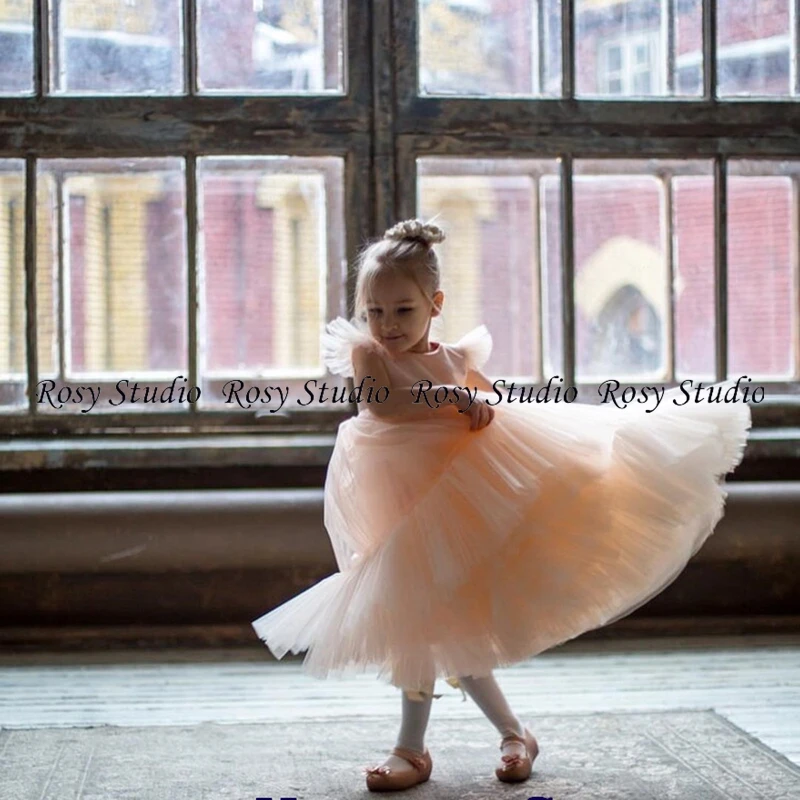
[
  {"x": 416, "y": 761},
  {"x": 511, "y": 760},
  {"x": 381, "y": 770}
]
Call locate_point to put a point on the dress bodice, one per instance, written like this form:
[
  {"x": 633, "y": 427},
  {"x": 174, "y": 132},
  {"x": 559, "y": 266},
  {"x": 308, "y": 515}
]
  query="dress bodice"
[{"x": 446, "y": 364}]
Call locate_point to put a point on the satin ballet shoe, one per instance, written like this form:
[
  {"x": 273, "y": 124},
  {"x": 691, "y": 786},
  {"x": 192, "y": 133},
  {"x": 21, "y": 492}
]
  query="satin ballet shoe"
[
  {"x": 384, "y": 779},
  {"x": 515, "y": 767}
]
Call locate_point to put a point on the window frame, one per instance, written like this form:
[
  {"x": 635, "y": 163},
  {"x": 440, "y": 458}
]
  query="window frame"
[
  {"x": 188, "y": 126},
  {"x": 571, "y": 127},
  {"x": 380, "y": 126}
]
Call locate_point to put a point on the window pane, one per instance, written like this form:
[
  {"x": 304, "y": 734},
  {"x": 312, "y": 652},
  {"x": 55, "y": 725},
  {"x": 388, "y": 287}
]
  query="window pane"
[
  {"x": 693, "y": 215},
  {"x": 753, "y": 47},
  {"x": 620, "y": 49},
  {"x": 476, "y": 47},
  {"x": 622, "y": 290},
  {"x": 614, "y": 58},
  {"x": 118, "y": 228},
  {"x": 272, "y": 243},
  {"x": 116, "y": 46},
  {"x": 499, "y": 223},
  {"x": 280, "y": 46},
  {"x": 16, "y": 47},
  {"x": 12, "y": 283},
  {"x": 642, "y": 83},
  {"x": 762, "y": 269}
]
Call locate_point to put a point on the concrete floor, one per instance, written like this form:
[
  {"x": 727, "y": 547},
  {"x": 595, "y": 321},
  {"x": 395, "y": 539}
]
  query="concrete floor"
[{"x": 754, "y": 681}]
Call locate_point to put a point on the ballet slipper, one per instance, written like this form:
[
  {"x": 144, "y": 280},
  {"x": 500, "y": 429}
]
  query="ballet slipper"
[
  {"x": 384, "y": 779},
  {"x": 515, "y": 767}
]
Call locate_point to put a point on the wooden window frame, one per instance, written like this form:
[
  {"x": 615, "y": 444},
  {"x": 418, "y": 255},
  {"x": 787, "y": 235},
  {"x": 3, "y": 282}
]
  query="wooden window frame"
[{"x": 380, "y": 126}]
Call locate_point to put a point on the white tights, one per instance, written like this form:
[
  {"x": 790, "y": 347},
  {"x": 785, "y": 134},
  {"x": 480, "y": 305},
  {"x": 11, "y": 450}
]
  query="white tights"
[{"x": 487, "y": 696}]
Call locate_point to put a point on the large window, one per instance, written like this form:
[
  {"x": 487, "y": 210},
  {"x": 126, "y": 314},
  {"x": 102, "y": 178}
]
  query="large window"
[{"x": 183, "y": 186}]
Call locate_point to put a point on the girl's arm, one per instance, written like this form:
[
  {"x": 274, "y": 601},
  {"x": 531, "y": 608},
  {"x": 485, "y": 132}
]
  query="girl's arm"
[{"x": 400, "y": 402}]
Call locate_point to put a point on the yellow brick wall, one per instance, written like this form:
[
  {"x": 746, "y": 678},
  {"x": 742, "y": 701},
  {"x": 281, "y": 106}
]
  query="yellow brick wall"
[
  {"x": 120, "y": 326},
  {"x": 297, "y": 277},
  {"x": 16, "y": 10},
  {"x": 451, "y": 41},
  {"x": 111, "y": 15},
  {"x": 12, "y": 275}
]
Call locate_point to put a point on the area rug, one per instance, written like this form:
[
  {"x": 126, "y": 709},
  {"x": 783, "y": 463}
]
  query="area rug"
[{"x": 680, "y": 754}]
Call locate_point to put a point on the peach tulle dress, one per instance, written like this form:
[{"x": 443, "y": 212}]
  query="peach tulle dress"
[{"x": 460, "y": 551}]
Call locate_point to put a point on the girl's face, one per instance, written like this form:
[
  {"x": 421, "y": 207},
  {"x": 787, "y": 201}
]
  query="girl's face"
[{"x": 399, "y": 314}]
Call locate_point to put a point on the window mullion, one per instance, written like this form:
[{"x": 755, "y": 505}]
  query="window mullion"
[
  {"x": 667, "y": 226},
  {"x": 189, "y": 47},
  {"x": 567, "y": 271},
  {"x": 721, "y": 265},
  {"x": 794, "y": 44},
  {"x": 795, "y": 267},
  {"x": 60, "y": 231},
  {"x": 31, "y": 344},
  {"x": 190, "y": 167},
  {"x": 385, "y": 65},
  {"x": 568, "y": 49},
  {"x": 710, "y": 50},
  {"x": 668, "y": 43},
  {"x": 539, "y": 279},
  {"x": 40, "y": 40},
  {"x": 539, "y": 49}
]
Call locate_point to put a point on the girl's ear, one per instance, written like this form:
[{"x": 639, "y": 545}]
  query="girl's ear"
[{"x": 438, "y": 299}]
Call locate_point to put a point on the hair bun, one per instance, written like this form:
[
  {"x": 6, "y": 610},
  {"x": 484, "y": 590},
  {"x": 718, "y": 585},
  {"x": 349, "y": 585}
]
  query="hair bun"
[{"x": 416, "y": 229}]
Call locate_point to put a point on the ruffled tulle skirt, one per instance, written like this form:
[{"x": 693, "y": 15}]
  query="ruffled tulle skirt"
[{"x": 463, "y": 551}]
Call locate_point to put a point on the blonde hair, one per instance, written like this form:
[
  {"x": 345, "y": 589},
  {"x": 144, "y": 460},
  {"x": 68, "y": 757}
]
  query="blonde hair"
[{"x": 406, "y": 249}]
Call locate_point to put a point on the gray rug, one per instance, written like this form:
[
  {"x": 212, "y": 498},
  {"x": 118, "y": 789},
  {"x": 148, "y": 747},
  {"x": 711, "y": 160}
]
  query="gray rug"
[{"x": 686, "y": 755}]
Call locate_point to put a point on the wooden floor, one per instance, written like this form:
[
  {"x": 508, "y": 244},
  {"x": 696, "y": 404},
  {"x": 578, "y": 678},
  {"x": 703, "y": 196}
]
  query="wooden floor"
[{"x": 754, "y": 681}]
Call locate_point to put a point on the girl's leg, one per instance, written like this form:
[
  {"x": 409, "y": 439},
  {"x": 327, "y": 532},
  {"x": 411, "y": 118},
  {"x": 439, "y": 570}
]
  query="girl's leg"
[
  {"x": 490, "y": 699},
  {"x": 416, "y": 714},
  {"x": 412, "y": 730}
]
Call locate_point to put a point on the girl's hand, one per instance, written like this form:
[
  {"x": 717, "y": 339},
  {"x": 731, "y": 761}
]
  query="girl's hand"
[{"x": 480, "y": 413}]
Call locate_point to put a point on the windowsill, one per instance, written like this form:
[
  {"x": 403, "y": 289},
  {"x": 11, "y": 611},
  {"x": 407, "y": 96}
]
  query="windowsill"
[
  {"x": 201, "y": 450},
  {"x": 248, "y": 450},
  {"x": 773, "y": 443}
]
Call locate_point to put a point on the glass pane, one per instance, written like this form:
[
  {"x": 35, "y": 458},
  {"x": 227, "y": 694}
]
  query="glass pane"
[
  {"x": 753, "y": 48},
  {"x": 499, "y": 221},
  {"x": 13, "y": 378},
  {"x": 622, "y": 50},
  {"x": 270, "y": 46},
  {"x": 116, "y": 46},
  {"x": 16, "y": 47},
  {"x": 478, "y": 48},
  {"x": 118, "y": 228},
  {"x": 622, "y": 289},
  {"x": 642, "y": 83},
  {"x": 762, "y": 269},
  {"x": 272, "y": 243},
  {"x": 614, "y": 58},
  {"x": 693, "y": 215},
  {"x": 552, "y": 279}
]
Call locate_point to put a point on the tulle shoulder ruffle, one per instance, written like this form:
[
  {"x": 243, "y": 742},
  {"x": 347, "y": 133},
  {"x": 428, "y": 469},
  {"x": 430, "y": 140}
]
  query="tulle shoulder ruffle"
[
  {"x": 337, "y": 342},
  {"x": 476, "y": 345}
]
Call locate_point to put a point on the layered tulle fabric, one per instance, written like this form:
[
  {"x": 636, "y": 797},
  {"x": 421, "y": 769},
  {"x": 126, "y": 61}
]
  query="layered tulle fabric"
[{"x": 462, "y": 551}]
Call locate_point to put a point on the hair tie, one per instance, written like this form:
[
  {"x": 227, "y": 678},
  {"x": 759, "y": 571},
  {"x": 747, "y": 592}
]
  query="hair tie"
[{"x": 416, "y": 230}]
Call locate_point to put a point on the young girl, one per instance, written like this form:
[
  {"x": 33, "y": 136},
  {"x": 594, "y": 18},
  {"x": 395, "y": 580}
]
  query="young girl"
[{"x": 472, "y": 535}]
